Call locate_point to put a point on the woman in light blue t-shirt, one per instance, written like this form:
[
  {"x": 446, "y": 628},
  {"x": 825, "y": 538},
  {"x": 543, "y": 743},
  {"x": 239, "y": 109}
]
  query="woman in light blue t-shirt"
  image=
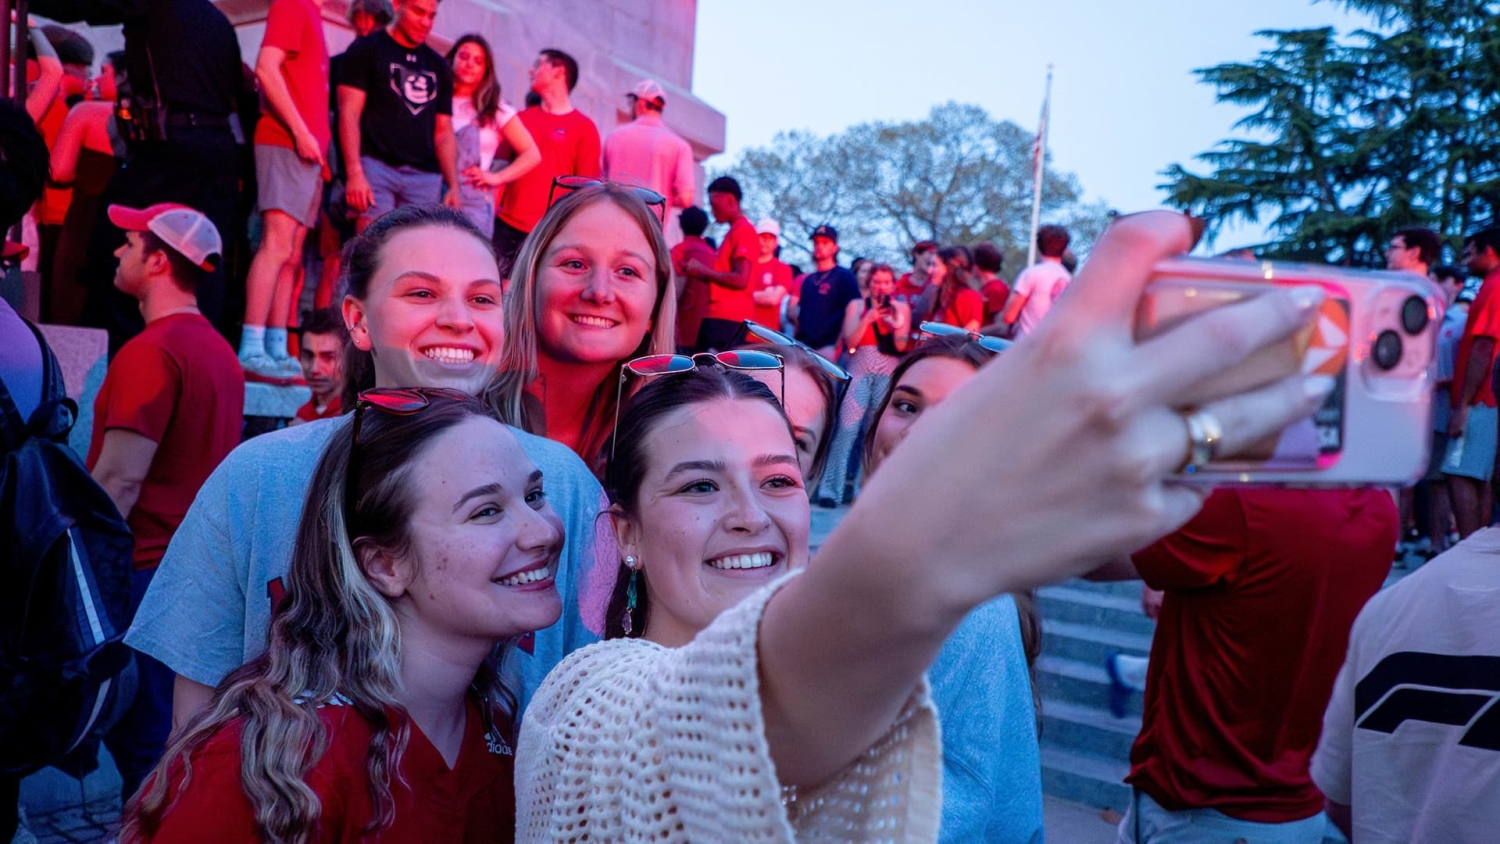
[{"x": 981, "y": 681}]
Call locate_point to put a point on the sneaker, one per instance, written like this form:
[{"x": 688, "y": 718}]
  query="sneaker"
[
  {"x": 265, "y": 368},
  {"x": 1119, "y": 693},
  {"x": 288, "y": 367}
]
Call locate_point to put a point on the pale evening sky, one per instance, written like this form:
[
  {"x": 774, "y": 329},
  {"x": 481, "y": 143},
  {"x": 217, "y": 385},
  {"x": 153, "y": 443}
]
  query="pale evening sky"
[{"x": 1125, "y": 101}]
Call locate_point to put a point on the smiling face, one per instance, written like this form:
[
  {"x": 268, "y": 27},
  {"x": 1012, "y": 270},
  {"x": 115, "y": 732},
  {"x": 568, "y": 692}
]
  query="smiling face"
[
  {"x": 595, "y": 288},
  {"x": 721, "y": 512},
  {"x": 433, "y": 316},
  {"x": 806, "y": 408},
  {"x": 483, "y": 541},
  {"x": 469, "y": 64},
  {"x": 922, "y": 387}
]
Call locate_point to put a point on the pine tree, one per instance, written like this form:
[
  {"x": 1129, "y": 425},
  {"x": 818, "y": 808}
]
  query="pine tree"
[{"x": 1354, "y": 138}]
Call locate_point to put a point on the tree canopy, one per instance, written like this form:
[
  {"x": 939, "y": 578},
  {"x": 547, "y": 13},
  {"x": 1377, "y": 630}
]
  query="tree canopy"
[
  {"x": 1349, "y": 139},
  {"x": 957, "y": 176}
]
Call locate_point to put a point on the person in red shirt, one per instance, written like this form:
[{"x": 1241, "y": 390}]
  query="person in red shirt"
[
  {"x": 770, "y": 280},
  {"x": 377, "y": 708},
  {"x": 911, "y": 286},
  {"x": 321, "y": 353},
  {"x": 729, "y": 293},
  {"x": 1471, "y": 460},
  {"x": 171, "y": 407},
  {"x": 591, "y": 289},
  {"x": 692, "y": 293},
  {"x": 569, "y": 143},
  {"x": 988, "y": 261},
  {"x": 1262, "y": 588},
  {"x": 956, "y": 302},
  {"x": 291, "y": 145}
]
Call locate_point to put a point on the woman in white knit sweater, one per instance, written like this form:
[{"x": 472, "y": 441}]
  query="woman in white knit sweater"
[{"x": 763, "y": 707}]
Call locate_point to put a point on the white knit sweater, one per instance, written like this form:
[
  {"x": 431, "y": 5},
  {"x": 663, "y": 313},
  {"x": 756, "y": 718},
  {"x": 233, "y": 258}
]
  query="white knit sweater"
[{"x": 629, "y": 741}]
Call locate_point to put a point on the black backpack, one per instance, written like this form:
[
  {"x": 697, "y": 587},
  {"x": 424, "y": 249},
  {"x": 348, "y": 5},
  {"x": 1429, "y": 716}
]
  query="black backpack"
[{"x": 65, "y": 674}]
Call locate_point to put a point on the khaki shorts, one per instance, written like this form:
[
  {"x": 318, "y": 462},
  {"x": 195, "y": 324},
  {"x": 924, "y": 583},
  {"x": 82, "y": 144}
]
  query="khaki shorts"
[{"x": 286, "y": 183}]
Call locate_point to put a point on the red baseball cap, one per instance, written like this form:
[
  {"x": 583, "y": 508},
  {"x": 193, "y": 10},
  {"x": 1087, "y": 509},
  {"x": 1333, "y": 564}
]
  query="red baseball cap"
[{"x": 185, "y": 229}]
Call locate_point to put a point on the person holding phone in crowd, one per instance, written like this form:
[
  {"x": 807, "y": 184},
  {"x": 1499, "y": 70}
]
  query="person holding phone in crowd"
[
  {"x": 876, "y": 331},
  {"x": 780, "y": 706}
]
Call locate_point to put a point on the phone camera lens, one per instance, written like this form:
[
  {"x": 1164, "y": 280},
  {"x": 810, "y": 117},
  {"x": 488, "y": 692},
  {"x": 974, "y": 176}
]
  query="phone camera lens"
[
  {"x": 1387, "y": 350},
  {"x": 1414, "y": 315}
]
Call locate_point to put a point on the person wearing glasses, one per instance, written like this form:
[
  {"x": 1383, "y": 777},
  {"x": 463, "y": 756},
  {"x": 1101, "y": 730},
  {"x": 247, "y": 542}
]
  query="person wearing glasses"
[
  {"x": 754, "y": 705},
  {"x": 423, "y": 310},
  {"x": 426, "y": 543},
  {"x": 981, "y": 680},
  {"x": 876, "y": 331},
  {"x": 481, "y": 121},
  {"x": 591, "y": 288}
]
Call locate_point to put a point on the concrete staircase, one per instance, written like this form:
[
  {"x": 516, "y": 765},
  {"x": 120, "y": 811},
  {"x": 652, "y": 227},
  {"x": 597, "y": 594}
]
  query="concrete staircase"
[{"x": 1085, "y": 749}]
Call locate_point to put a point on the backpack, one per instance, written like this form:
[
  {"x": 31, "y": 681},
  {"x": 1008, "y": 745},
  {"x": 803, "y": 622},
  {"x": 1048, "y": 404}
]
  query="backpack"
[{"x": 66, "y": 676}]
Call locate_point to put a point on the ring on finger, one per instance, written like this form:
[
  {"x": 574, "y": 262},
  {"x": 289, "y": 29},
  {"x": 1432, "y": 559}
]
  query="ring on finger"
[{"x": 1204, "y": 435}]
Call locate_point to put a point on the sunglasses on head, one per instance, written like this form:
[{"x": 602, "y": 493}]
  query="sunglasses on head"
[
  {"x": 943, "y": 329},
  {"x": 752, "y": 330},
  {"x": 650, "y": 366},
  {"x": 572, "y": 183},
  {"x": 397, "y": 401}
]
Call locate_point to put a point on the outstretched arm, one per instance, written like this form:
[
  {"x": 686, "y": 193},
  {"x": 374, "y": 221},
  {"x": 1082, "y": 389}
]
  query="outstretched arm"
[{"x": 843, "y": 646}]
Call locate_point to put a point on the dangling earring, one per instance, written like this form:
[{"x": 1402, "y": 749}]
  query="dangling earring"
[{"x": 630, "y": 594}]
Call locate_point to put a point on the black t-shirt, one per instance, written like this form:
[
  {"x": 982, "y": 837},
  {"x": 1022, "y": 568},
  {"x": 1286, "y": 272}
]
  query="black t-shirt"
[
  {"x": 405, "y": 91},
  {"x": 189, "y": 44},
  {"x": 825, "y": 295}
]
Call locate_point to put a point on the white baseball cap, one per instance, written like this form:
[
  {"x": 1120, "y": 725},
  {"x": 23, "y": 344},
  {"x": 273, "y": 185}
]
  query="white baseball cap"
[
  {"x": 180, "y": 227},
  {"x": 649, "y": 91},
  {"x": 768, "y": 226}
]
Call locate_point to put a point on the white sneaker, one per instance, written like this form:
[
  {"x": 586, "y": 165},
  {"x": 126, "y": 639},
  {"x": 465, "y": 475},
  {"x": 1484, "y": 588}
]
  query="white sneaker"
[
  {"x": 264, "y": 366},
  {"x": 287, "y": 367}
]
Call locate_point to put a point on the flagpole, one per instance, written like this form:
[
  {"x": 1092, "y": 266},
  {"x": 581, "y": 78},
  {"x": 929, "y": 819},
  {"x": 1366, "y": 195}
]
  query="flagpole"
[{"x": 1038, "y": 158}]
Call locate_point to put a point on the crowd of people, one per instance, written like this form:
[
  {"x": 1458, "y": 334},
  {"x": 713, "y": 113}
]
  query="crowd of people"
[{"x": 534, "y": 560}]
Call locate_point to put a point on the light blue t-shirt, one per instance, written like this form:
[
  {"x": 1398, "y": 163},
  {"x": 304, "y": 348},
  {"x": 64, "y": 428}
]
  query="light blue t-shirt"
[
  {"x": 992, "y": 768},
  {"x": 208, "y": 610}
]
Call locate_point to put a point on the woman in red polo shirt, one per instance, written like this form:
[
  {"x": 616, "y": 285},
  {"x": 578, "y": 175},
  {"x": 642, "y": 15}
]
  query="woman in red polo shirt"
[
  {"x": 591, "y": 289},
  {"x": 376, "y": 709}
]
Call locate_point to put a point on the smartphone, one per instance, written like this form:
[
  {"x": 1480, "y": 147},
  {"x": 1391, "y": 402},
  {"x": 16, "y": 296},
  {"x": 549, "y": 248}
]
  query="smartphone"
[{"x": 1375, "y": 334}]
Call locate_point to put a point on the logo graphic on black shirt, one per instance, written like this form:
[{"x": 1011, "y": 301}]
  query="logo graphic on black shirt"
[{"x": 417, "y": 88}]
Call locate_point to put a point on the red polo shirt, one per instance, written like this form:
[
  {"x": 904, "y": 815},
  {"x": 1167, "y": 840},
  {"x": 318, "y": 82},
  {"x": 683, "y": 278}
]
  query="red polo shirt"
[{"x": 1262, "y": 588}]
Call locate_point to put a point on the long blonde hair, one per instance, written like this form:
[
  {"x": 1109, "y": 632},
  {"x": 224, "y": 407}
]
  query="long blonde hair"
[
  {"x": 334, "y": 640},
  {"x": 518, "y": 365}
]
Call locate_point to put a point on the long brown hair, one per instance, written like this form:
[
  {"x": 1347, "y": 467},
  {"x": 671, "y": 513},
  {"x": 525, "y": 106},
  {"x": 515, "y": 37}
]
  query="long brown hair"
[
  {"x": 518, "y": 366},
  {"x": 361, "y": 258},
  {"x": 334, "y": 640},
  {"x": 487, "y": 92}
]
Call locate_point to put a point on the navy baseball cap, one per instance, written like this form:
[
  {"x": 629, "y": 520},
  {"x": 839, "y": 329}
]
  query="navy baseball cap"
[{"x": 827, "y": 231}]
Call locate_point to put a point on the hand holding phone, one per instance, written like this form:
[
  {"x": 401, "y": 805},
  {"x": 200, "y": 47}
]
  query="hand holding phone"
[{"x": 1375, "y": 334}]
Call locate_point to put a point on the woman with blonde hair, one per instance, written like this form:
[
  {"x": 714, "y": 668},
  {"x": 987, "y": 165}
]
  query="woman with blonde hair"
[
  {"x": 591, "y": 288},
  {"x": 426, "y": 542}
]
